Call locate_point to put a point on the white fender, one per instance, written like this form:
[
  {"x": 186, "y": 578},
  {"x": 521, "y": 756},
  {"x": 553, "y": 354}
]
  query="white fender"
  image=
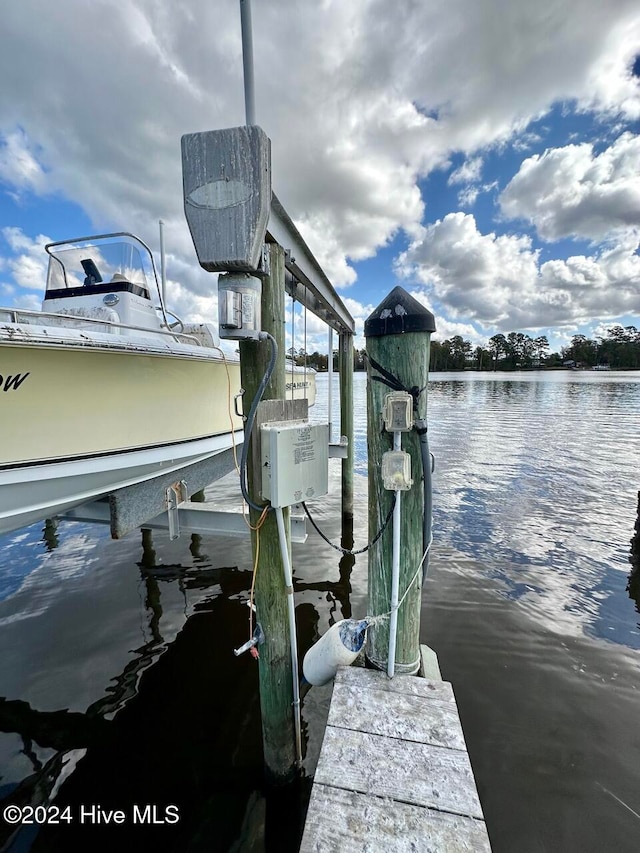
[{"x": 340, "y": 646}]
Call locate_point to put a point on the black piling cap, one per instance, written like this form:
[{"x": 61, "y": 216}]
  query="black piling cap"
[{"x": 399, "y": 313}]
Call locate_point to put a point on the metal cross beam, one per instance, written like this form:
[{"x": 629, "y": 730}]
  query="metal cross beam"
[{"x": 310, "y": 286}]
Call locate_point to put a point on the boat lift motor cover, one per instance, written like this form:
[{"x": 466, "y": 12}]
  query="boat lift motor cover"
[{"x": 227, "y": 196}]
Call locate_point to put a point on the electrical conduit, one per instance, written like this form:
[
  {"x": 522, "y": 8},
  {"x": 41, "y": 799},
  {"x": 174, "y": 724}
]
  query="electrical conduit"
[{"x": 395, "y": 572}]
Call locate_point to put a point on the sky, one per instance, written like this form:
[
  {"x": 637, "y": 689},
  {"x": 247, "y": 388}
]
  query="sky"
[{"x": 483, "y": 154}]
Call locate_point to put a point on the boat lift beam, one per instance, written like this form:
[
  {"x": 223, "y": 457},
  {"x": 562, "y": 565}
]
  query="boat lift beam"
[
  {"x": 206, "y": 519},
  {"x": 162, "y": 503},
  {"x": 308, "y": 283}
]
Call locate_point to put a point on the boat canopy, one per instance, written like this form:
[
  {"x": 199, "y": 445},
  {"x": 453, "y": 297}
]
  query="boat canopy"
[{"x": 99, "y": 264}]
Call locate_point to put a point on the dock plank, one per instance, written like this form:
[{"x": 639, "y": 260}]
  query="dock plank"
[
  {"x": 393, "y": 773},
  {"x": 408, "y": 684},
  {"x": 403, "y": 770},
  {"x": 396, "y": 715},
  {"x": 348, "y": 821}
]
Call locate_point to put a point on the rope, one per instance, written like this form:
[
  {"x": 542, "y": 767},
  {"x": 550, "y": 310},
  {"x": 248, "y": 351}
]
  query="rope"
[
  {"x": 261, "y": 521},
  {"x": 293, "y": 346},
  {"x": 382, "y": 617},
  {"x": 304, "y": 375},
  {"x": 346, "y": 550},
  {"x": 233, "y": 437}
]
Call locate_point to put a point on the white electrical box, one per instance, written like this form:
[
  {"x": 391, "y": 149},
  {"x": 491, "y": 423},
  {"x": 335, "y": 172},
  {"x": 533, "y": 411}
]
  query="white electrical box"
[
  {"x": 396, "y": 471},
  {"x": 295, "y": 461},
  {"x": 397, "y": 413}
]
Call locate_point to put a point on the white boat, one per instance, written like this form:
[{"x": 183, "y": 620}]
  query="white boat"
[
  {"x": 101, "y": 389},
  {"x": 300, "y": 381}
]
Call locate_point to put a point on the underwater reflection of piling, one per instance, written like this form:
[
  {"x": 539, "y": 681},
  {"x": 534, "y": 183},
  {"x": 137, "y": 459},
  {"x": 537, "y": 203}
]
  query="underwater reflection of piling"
[
  {"x": 50, "y": 534},
  {"x": 170, "y": 738},
  {"x": 338, "y": 592}
]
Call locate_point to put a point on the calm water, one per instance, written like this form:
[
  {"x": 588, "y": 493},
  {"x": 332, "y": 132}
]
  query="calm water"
[{"x": 121, "y": 687}]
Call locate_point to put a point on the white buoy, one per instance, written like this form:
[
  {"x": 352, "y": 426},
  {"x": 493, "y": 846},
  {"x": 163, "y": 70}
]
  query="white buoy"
[{"x": 340, "y": 646}]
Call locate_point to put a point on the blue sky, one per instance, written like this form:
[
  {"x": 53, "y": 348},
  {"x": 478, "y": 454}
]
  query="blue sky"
[{"x": 485, "y": 156}]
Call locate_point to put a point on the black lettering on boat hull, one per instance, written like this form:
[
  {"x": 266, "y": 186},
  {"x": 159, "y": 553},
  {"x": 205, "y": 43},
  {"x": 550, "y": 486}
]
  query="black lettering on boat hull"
[{"x": 12, "y": 383}]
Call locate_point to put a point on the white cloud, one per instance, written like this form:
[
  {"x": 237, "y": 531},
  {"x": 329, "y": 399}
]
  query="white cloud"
[
  {"x": 498, "y": 280},
  {"x": 467, "y": 196},
  {"x": 447, "y": 329},
  {"x": 368, "y": 101},
  {"x": 573, "y": 192},
  {"x": 19, "y": 167},
  {"x": 467, "y": 173},
  {"x": 29, "y": 265}
]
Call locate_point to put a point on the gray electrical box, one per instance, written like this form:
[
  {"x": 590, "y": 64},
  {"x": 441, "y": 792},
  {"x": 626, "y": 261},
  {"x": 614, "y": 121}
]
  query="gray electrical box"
[
  {"x": 227, "y": 196},
  {"x": 295, "y": 461}
]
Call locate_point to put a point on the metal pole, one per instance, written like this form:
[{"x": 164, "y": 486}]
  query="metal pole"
[
  {"x": 330, "y": 372},
  {"x": 395, "y": 572},
  {"x": 247, "y": 62},
  {"x": 291, "y": 611},
  {"x": 163, "y": 266},
  {"x": 345, "y": 366}
]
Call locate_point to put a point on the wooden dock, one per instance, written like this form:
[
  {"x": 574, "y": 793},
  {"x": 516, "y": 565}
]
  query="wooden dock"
[{"x": 394, "y": 774}]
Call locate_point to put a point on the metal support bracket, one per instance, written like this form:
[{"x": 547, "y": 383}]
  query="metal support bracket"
[
  {"x": 339, "y": 450},
  {"x": 175, "y": 494}
]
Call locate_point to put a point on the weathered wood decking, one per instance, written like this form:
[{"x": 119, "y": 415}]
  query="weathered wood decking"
[{"x": 393, "y": 773}]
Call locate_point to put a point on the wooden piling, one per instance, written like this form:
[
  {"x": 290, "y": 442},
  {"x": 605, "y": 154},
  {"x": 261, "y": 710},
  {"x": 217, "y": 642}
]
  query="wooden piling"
[
  {"x": 345, "y": 368},
  {"x": 275, "y": 672},
  {"x": 398, "y": 339}
]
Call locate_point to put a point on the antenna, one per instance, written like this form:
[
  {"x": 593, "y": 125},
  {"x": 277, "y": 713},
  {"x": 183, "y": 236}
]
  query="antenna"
[
  {"x": 163, "y": 265},
  {"x": 247, "y": 62}
]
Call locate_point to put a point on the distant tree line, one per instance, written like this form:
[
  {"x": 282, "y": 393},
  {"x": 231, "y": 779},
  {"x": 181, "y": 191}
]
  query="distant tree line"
[{"x": 619, "y": 350}]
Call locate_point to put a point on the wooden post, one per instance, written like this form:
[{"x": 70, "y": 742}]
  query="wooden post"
[
  {"x": 275, "y": 673},
  {"x": 345, "y": 367},
  {"x": 398, "y": 338}
]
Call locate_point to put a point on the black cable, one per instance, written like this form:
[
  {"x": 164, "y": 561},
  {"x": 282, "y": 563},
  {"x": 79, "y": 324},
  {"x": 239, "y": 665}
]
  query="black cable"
[
  {"x": 346, "y": 550},
  {"x": 393, "y": 382},
  {"x": 250, "y": 420}
]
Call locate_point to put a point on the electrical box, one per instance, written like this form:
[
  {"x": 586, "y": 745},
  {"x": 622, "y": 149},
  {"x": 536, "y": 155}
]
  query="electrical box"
[
  {"x": 397, "y": 413},
  {"x": 295, "y": 461},
  {"x": 239, "y": 308},
  {"x": 396, "y": 471}
]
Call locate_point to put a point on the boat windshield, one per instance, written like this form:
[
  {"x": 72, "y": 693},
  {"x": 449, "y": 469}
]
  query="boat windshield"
[{"x": 101, "y": 260}]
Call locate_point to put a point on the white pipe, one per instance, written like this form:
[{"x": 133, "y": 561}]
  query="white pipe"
[
  {"x": 247, "y": 62},
  {"x": 288, "y": 582},
  {"x": 395, "y": 573},
  {"x": 330, "y": 370},
  {"x": 163, "y": 266}
]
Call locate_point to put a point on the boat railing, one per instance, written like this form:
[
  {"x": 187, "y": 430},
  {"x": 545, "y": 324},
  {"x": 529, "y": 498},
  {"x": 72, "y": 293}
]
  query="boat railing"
[{"x": 14, "y": 315}]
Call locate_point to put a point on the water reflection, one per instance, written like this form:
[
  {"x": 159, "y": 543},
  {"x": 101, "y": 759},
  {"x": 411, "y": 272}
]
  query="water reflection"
[
  {"x": 534, "y": 480},
  {"x": 121, "y": 685},
  {"x": 633, "y": 583}
]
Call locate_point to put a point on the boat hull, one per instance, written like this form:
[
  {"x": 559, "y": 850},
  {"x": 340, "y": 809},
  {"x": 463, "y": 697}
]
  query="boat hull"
[
  {"x": 69, "y": 402},
  {"x": 86, "y": 413},
  {"x": 79, "y": 422},
  {"x": 32, "y": 493}
]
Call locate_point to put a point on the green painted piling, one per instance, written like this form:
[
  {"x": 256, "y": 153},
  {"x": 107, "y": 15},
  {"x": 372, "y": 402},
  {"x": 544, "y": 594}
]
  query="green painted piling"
[
  {"x": 345, "y": 369},
  {"x": 397, "y": 337},
  {"x": 275, "y": 673}
]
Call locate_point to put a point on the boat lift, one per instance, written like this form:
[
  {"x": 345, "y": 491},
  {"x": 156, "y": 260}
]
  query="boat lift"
[{"x": 163, "y": 502}]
